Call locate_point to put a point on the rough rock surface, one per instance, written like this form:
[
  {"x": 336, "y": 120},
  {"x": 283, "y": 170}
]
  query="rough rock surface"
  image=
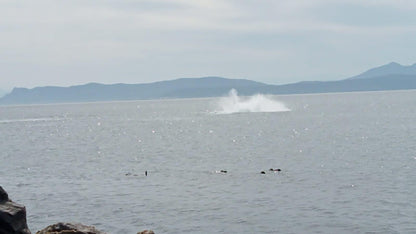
[
  {"x": 3, "y": 195},
  {"x": 12, "y": 216},
  {"x": 146, "y": 232},
  {"x": 69, "y": 228}
]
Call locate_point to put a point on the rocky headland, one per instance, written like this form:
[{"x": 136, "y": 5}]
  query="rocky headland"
[
  {"x": 12, "y": 216},
  {"x": 13, "y": 221}
]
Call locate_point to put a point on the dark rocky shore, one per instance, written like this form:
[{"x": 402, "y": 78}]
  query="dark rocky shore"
[
  {"x": 13, "y": 221},
  {"x": 12, "y": 216}
]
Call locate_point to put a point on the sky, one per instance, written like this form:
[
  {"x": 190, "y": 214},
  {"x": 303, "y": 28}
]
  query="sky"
[{"x": 72, "y": 42}]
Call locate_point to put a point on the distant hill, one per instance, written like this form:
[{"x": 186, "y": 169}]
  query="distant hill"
[
  {"x": 378, "y": 83},
  {"x": 180, "y": 88},
  {"x": 392, "y": 76},
  {"x": 388, "y": 69}
]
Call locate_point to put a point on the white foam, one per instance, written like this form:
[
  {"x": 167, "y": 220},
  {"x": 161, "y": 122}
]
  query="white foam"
[{"x": 256, "y": 103}]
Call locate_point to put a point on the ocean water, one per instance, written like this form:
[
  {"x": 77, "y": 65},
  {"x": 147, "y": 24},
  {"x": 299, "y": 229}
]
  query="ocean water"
[{"x": 348, "y": 164}]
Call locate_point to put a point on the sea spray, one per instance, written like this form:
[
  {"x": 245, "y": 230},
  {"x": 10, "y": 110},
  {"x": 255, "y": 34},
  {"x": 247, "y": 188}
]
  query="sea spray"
[{"x": 256, "y": 103}]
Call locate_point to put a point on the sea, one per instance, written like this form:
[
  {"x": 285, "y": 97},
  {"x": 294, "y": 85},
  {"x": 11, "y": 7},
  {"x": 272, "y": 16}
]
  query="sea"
[{"x": 347, "y": 163}]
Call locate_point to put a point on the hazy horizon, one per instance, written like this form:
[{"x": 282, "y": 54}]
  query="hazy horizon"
[
  {"x": 48, "y": 43},
  {"x": 389, "y": 68}
]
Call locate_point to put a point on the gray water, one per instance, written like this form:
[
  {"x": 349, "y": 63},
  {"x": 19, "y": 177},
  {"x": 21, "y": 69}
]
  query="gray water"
[{"x": 348, "y": 165}]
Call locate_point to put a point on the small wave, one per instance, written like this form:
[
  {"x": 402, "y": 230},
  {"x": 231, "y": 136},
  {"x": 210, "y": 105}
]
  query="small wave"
[
  {"x": 256, "y": 103},
  {"x": 5, "y": 121}
]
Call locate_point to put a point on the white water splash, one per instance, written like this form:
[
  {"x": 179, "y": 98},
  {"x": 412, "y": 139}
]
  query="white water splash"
[{"x": 257, "y": 103}]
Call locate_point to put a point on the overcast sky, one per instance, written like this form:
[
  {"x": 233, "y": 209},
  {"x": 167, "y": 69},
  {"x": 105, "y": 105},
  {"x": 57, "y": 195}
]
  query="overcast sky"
[{"x": 135, "y": 41}]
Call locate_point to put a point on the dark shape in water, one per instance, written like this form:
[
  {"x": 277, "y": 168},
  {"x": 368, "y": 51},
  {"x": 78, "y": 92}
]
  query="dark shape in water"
[{"x": 278, "y": 169}]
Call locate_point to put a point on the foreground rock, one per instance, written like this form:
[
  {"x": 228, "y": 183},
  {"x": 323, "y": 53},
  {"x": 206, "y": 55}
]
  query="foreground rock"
[
  {"x": 13, "y": 221},
  {"x": 12, "y": 216},
  {"x": 69, "y": 228},
  {"x": 146, "y": 232}
]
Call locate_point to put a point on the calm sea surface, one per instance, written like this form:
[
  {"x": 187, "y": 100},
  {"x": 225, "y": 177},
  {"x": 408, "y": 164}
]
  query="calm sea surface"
[{"x": 348, "y": 164}]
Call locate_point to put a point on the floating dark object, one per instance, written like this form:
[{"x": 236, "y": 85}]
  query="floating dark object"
[
  {"x": 271, "y": 169},
  {"x": 262, "y": 172},
  {"x": 221, "y": 172},
  {"x": 130, "y": 174}
]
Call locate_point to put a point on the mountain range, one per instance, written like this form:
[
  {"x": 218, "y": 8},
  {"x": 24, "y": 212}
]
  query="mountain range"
[{"x": 392, "y": 76}]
